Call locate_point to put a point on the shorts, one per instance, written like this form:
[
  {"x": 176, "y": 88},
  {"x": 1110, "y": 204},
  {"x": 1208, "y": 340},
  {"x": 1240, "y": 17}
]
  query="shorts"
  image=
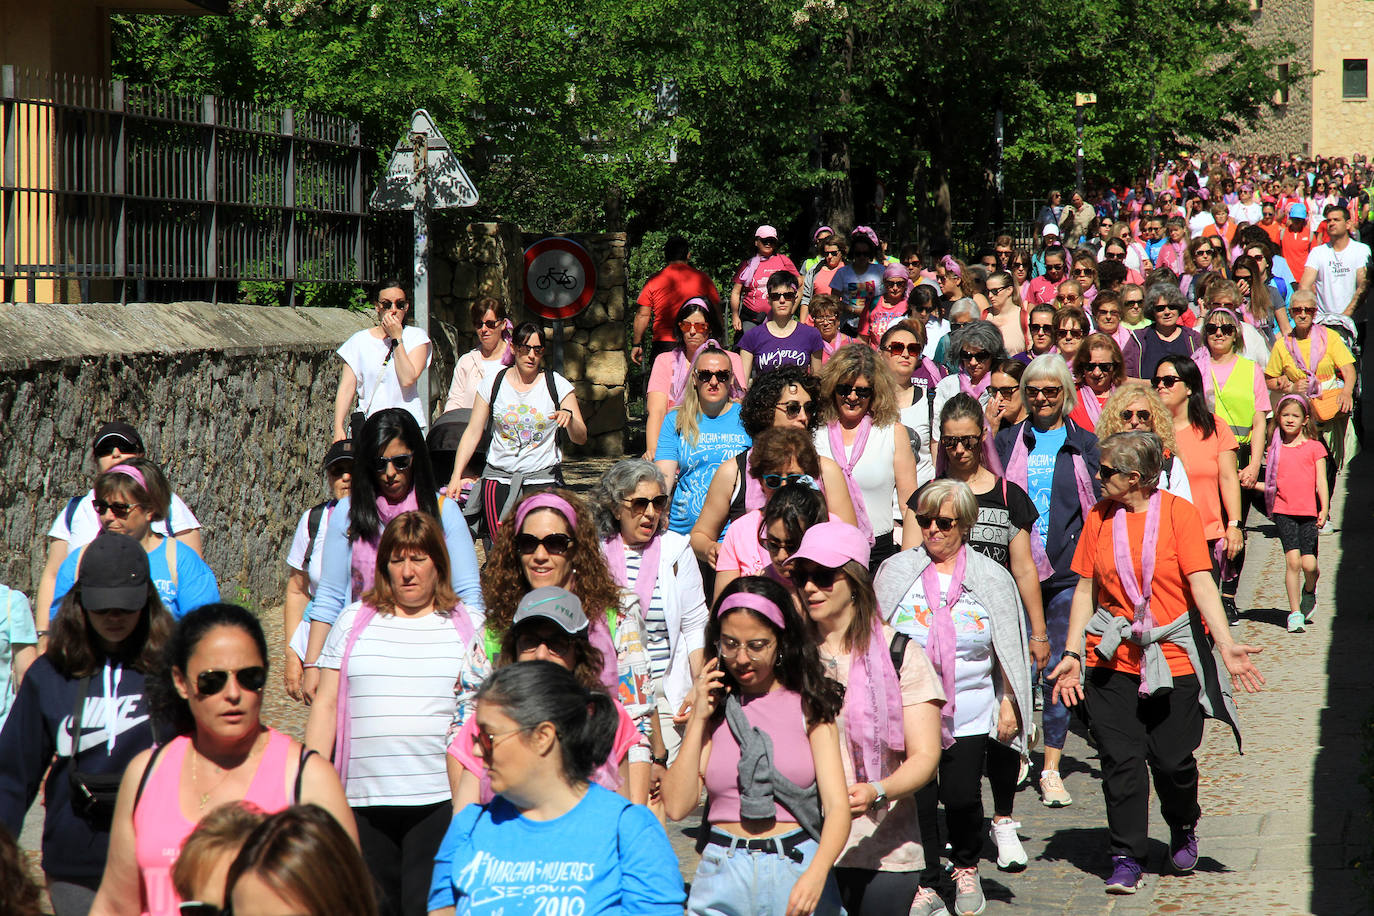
[
  {"x": 1297, "y": 532},
  {"x": 738, "y": 881}
]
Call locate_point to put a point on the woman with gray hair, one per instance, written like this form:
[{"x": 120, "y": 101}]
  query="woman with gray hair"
[
  {"x": 959, "y": 314},
  {"x": 1165, "y": 305},
  {"x": 974, "y": 346},
  {"x": 964, "y": 609},
  {"x": 1055, "y": 461},
  {"x": 658, "y": 567},
  {"x": 1138, "y": 657}
]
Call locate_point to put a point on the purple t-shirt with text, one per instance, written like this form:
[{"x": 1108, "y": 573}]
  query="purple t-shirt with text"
[{"x": 775, "y": 352}]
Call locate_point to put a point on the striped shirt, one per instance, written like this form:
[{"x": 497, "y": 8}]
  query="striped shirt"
[{"x": 656, "y": 642}]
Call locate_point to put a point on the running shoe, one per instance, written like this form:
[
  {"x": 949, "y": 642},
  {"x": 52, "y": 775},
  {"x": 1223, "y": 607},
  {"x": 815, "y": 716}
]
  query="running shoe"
[
  {"x": 1126, "y": 875},
  {"x": 1011, "y": 855},
  {"x": 1183, "y": 849},
  {"x": 1297, "y": 623},
  {"x": 928, "y": 903},
  {"x": 968, "y": 892},
  {"x": 1052, "y": 791},
  {"x": 1232, "y": 612},
  {"x": 1307, "y": 603}
]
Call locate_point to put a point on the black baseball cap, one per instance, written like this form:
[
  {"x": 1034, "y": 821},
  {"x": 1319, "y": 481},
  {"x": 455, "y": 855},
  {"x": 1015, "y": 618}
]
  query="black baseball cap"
[
  {"x": 339, "y": 451},
  {"x": 114, "y": 573},
  {"x": 121, "y": 431}
]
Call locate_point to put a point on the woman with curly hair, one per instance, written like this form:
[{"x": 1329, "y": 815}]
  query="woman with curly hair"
[
  {"x": 1098, "y": 369},
  {"x": 782, "y": 803},
  {"x": 1135, "y": 406},
  {"x": 864, "y": 435}
]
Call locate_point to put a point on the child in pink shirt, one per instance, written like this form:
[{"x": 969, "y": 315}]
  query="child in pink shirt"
[{"x": 1295, "y": 494}]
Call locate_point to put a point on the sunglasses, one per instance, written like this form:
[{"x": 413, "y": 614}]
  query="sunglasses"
[
  {"x": 106, "y": 449},
  {"x": 898, "y": 283},
  {"x": 387, "y": 305},
  {"x": 775, "y": 481},
  {"x": 399, "y": 462},
  {"x": 822, "y": 576},
  {"x": 1099, "y": 367},
  {"x": 693, "y": 327},
  {"x": 994, "y": 290},
  {"x": 1048, "y": 392},
  {"x": 555, "y": 545},
  {"x": 559, "y": 644},
  {"x": 492, "y": 325},
  {"x": 795, "y": 408},
  {"x": 1165, "y": 381},
  {"x": 212, "y": 681},
  {"x": 897, "y": 348},
  {"x": 1083, "y": 272},
  {"x": 923, "y": 309},
  {"x": 1166, "y": 307},
  {"x": 119, "y": 510},
  {"x": 723, "y": 376},
  {"x": 1041, "y": 328},
  {"x": 640, "y": 504},
  {"x": 1228, "y": 330},
  {"x": 1069, "y": 299},
  {"x": 943, "y": 522},
  {"x": 768, "y": 241},
  {"x": 832, "y": 253},
  {"x": 781, "y": 297},
  {"x": 1006, "y": 392},
  {"x": 980, "y": 356},
  {"x": 199, "y": 908},
  {"x": 536, "y": 349},
  {"x": 950, "y": 443},
  {"x": 1053, "y": 267},
  {"x": 1239, "y": 277},
  {"x": 1303, "y": 310},
  {"x": 1132, "y": 303},
  {"x": 1069, "y": 333},
  {"x": 1116, "y": 256},
  {"x": 1142, "y": 415},
  {"x": 1203, "y": 252},
  {"x": 1106, "y": 473},
  {"x": 486, "y": 743},
  {"x": 862, "y": 392}
]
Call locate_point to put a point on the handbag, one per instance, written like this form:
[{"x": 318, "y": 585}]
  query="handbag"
[
  {"x": 93, "y": 794},
  {"x": 356, "y": 419}
]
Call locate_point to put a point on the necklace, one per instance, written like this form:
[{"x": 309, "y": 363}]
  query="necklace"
[{"x": 195, "y": 774}]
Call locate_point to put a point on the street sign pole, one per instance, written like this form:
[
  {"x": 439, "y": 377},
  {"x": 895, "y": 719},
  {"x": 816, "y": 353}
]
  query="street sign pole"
[{"x": 420, "y": 146}]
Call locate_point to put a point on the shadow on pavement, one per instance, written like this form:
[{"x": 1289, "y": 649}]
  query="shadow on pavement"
[{"x": 1340, "y": 810}]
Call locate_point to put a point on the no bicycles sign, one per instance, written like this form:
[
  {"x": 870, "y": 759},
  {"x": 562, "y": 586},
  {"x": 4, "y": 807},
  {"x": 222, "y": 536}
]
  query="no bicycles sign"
[{"x": 560, "y": 278}]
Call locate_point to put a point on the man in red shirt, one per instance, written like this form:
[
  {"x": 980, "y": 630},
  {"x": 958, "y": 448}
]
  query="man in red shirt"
[
  {"x": 664, "y": 294},
  {"x": 1296, "y": 239}
]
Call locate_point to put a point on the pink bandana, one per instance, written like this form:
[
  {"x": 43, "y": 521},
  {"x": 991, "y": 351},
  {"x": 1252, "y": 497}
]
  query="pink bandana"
[
  {"x": 1138, "y": 593},
  {"x": 873, "y": 708},
  {"x": 1317, "y": 336},
  {"x": 615, "y": 548},
  {"x": 847, "y": 461}
]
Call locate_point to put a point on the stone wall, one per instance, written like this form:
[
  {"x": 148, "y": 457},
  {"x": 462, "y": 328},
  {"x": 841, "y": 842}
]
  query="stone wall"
[
  {"x": 1283, "y": 129},
  {"x": 234, "y": 401},
  {"x": 487, "y": 259},
  {"x": 1341, "y": 29}
]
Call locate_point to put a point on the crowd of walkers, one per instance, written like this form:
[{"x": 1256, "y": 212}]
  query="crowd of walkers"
[{"x": 880, "y": 549}]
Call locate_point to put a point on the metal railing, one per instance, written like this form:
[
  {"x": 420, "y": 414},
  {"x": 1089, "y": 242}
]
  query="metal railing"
[{"x": 113, "y": 191}]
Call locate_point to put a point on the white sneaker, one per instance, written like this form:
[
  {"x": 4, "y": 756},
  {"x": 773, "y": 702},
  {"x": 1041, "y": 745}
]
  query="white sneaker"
[
  {"x": 1011, "y": 855},
  {"x": 1052, "y": 791}
]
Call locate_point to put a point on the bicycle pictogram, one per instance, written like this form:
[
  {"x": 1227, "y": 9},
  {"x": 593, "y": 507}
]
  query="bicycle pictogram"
[{"x": 556, "y": 275}]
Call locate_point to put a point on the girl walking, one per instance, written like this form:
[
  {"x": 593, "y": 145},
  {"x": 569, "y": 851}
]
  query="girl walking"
[{"x": 1295, "y": 495}]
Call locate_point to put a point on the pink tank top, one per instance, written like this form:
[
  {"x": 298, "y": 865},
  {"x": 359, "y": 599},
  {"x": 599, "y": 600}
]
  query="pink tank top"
[
  {"x": 779, "y": 714},
  {"x": 160, "y": 827}
]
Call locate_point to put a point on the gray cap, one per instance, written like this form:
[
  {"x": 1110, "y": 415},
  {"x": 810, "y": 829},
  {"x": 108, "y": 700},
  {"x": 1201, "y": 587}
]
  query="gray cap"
[{"x": 556, "y": 604}]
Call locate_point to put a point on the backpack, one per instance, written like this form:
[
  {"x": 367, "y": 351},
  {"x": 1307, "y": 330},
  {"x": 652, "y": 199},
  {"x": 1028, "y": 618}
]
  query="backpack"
[{"x": 312, "y": 527}]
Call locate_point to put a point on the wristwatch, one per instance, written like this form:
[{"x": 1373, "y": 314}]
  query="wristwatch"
[{"x": 881, "y": 798}]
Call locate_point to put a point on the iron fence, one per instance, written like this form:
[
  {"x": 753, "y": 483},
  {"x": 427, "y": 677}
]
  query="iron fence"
[{"x": 112, "y": 191}]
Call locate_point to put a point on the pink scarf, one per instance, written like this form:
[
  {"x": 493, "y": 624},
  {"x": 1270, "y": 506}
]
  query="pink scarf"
[
  {"x": 343, "y": 722},
  {"x": 1017, "y": 469},
  {"x": 364, "y": 560},
  {"x": 1275, "y": 452},
  {"x": 614, "y": 549},
  {"x": 1091, "y": 405},
  {"x": 942, "y": 641},
  {"x": 1138, "y": 593},
  {"x": 828, "y": 349},
  {"x": 1318, "y": 350},
  {"x": 873, "y": 708},
  {"x": 977, "y": 391},
  {"x": 847, "y": 461}
]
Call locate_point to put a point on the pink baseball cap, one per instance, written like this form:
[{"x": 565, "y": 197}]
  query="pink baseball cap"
[
  {"x": 833, "y": 544},
  {"x": 765, "y": 232}
]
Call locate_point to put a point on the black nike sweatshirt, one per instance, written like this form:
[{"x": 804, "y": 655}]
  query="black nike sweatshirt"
[{"x": 39, "y": 727}]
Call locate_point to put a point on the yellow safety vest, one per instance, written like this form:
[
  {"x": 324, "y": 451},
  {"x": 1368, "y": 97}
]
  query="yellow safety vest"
[{"x": 1236, "y": 399}]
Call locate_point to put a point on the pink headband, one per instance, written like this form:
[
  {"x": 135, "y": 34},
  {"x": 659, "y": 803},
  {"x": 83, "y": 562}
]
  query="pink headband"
[
  {"x": 952, "y": 266},
  {"x": 128, "y": 470},
  {"x": 1294, "y": 396},
  {"x": 754, "y": 603},
  {"x": 869, "y": 234},
  {"x": 824, "y": 230},
  {"x": 545, "y": 501},
  {"x": 1224, "y": 310}
]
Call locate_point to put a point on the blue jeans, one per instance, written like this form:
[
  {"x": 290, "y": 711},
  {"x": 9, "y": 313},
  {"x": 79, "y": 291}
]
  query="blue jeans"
[
  {"x": 1056, "y": 715},
  {"x": 737, "y": 882}
]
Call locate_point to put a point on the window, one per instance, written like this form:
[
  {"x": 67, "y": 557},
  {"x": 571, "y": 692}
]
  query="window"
[
  {"x": 1355, "y": 79},
  {"x": 1281, "y": 94}
]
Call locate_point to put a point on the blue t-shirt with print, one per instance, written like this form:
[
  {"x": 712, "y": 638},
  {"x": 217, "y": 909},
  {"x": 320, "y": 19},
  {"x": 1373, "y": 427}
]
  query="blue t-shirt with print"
[
  {"x": 605, "y": 856},
  {"x": 1040, "y": 473},
  {"x": 719, "y": 439},
  {"x": 195, "y": 585}
]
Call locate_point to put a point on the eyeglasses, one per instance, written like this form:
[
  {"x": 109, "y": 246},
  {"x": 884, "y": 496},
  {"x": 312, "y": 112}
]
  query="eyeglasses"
[
  {"x": 1048, "y": 392},
  {"x": 994, "y": 290},
  {"x": 212, "y": 681},
  {"x": 774, "y": 481},
  {"x": 559, "y": 644},
  {"x": 492, "y": 325},
  {"x": 943, "y": 522},
  {"x": 693, "y": 327},
  {"x": 1141, "y": 415},
  {"x": 118, "y": 510},
  {"x": 485, "y": 742},
  {"x": 950, "y": 443},
  {"x": 1006, "y": 392},
  {"x": 1104, "y": 313},
  {"x": 1099, "y": 367},
  {"x": 1303, "y": 310},
  {"x": 1106, "y": 473},
  {"x": 823, "y": 576},
  {"x": 862, "y": 392},
  {"x": 640, "y": 504},
  {"x": 1041, "y": 328},
  {"x": 723, "y": 376},
  {"x": 826, "y": 320},
  {"x": 536, "y": 349},
  {"x": 979, "y": 356},
  {"x": 756, "y": 649},
  {"x": 1226, "y": 330},
  {"x": 399, "y": 462},
  {"x": 555, "y": 545},
  {"x": 793, "y": 409},
  {"x": 1165, "y": 381},
  {"x": 387, "y": 305},
  {"x": 782, "y": 297},
  {"x": 1069, "y": 333}
]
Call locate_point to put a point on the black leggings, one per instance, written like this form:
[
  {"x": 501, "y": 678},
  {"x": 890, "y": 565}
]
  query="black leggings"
[
  {"x": 876, "y": 893},
  {"x": 398, "y": 844},
  {"x": 958, "y": 785}
]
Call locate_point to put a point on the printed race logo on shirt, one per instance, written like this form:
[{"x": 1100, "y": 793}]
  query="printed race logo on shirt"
[{"x": 540, "y": 887}]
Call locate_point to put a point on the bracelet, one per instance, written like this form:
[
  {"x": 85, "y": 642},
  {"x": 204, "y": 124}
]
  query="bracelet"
[
  {"x": 309, "y": 665},
  {"x": 661, "y": 761},
  {"x": 1069, "y": 653},
  {"x": 41, "y": 633},
  {"x": 1039, "y": 639}
]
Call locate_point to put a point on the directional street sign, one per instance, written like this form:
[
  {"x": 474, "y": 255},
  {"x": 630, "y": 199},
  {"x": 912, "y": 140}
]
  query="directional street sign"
[{"x": 446, "y": 184}]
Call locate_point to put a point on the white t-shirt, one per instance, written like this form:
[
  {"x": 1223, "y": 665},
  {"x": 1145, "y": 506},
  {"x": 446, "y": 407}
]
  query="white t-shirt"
[
  {"x": 874, "y": 473},
  {"x": 374, "y": 366},
  {"x": 400, "y": 703},
  {"x": 523, "y": 437},
  {"x": 1336, "y": 274},
  {"x": 1198, "y": 223},
  {"x": 296, "y": 558},
  {"x": 86, "y": 524},
  {"x": 1250, "y": 213}
]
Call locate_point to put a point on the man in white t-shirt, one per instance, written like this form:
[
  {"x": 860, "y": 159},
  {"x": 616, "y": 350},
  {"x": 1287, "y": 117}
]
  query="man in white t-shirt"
[{"x": 1337, "y": 271}]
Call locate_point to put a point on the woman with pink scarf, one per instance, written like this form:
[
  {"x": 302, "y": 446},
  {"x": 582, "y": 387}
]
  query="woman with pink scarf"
[
  {"x": 695, "y": 323},
  {"x": 975, "y": 346}
]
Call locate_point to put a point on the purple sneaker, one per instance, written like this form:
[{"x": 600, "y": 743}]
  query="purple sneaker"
[
  {"x": 1183, "y": 848},
  {"x": 1125, "y": 877}
]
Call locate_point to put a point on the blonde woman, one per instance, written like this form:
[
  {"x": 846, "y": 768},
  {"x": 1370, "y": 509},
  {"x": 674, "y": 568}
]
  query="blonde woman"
[{"x": 1135, "y": 406}]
